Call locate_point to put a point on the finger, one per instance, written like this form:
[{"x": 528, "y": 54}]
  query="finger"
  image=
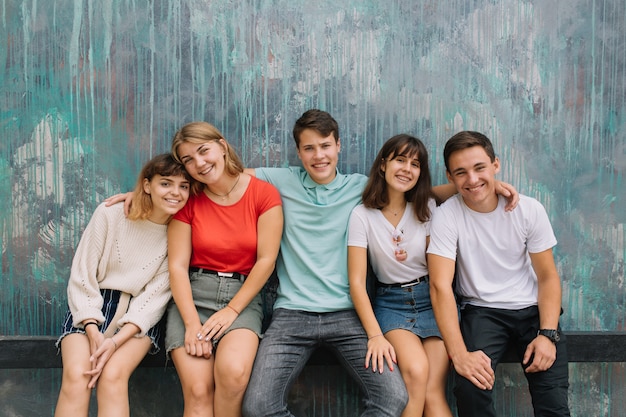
[
  {"x": 381, "y": 363},
  {"x": 389, "y": 361}
]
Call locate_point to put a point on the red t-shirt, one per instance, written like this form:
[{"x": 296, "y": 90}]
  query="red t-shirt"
[{"x": 224, "y": 238}]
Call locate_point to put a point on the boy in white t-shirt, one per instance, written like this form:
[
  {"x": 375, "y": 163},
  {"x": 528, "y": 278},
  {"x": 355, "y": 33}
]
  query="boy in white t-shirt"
[{"x": 507, "y": 284}]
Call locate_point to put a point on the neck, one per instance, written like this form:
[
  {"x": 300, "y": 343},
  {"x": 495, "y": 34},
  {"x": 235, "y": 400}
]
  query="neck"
[{"x": 229, "y": 188}]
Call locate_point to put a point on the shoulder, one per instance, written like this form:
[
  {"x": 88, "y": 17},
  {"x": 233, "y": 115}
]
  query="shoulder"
[
  {"x": 264, "y": 190},
  {"x": 111, "y": 213},
  {"x": 353, "y": 178},
  {"x": 452, "y": 204},
  {"x": 276, "y": 174},
  {"x": 262, "y": 185},
  {"x": 529, "y": 206},
  {"x": 361, "y": 211}
]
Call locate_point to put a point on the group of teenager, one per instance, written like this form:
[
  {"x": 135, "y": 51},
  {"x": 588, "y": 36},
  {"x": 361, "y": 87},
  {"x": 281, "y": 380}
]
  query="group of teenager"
[{"x": 462, "y": 271}]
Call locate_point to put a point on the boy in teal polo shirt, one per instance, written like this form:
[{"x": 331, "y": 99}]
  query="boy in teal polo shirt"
[{"x": 313, "y": 306}]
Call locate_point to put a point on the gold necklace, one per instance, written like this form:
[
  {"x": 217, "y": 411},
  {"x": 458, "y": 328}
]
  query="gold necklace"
[
  {"x": 395, "y": 213},
  {"x": 225, "y": 196}
]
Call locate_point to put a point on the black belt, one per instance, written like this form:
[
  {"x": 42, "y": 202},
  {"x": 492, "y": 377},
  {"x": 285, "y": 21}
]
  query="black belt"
[
  {"x": 233, "y": 275},
  {"x": 403, "y": 284}
]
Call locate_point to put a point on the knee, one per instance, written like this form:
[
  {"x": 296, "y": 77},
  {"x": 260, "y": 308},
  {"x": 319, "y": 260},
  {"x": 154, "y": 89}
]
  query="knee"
[
  {"x": 416, "y": 374},
  {"x": 198, "y": 393},
  {"x": 74, "y": 381},
  {"x": 113, "y": 380},
  {"x": 233, "y": 377}
]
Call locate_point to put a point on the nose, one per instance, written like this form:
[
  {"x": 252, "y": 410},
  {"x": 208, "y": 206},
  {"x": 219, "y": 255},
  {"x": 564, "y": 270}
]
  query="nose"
[{"x": 472, "y": 177}]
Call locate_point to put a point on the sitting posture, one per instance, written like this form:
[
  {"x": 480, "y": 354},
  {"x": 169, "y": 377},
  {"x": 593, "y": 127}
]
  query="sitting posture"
[
  {"x": 507, "y": 281},
  {"x": 117, "y": 292}
]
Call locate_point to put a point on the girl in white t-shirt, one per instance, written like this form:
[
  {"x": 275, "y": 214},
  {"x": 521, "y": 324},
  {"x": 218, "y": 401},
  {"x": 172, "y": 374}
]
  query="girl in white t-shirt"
[{"x": 391, "y": 228}]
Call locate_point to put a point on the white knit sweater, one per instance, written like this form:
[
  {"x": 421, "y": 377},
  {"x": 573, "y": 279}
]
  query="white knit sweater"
[{"x": 120, "y": 254}]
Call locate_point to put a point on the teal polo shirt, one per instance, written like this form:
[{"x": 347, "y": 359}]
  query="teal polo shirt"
[{"x": 312, "y": 265}]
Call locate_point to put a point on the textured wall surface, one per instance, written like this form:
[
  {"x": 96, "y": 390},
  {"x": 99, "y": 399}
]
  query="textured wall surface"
[{"x": 89, "y": 90}]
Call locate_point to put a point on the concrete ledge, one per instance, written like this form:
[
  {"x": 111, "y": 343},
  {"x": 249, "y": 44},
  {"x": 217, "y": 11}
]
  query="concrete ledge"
[{"x": 24, "y": 352}]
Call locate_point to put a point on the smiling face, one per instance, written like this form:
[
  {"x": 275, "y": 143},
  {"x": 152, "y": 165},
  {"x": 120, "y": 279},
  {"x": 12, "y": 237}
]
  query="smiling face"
[
  {"x": 203, "y": 161},
  {"x": 473, "y": 173},
  {"x": 319, "y": 155},
  {"x": 401, "y": 172},
  {"x": 168, "y": 194}
]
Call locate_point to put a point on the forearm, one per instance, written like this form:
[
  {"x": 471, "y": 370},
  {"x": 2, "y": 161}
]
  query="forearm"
[
  {"x": 183, "y": 297},
  {"x": 253, "y": 284},
  {"x": 364, "y": 310},
  {"x": 446, "y": 315},
  {"x": 549, "y": 304},
  {"x": 128, "y": 331}
]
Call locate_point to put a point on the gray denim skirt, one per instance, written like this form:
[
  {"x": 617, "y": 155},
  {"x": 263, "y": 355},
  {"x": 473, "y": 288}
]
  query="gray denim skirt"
[{"x": 210, "y": 294}]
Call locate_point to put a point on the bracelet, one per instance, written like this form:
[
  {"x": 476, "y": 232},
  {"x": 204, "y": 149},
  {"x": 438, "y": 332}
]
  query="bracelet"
[
  {"x": 114, "y": 344},
  {"x": 376, "y": 335},
  {"x": 90, "y": 322},
  {"x": 228, "y": 305}
]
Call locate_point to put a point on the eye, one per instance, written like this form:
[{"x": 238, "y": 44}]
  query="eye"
[{"x": 185, "y": 186}]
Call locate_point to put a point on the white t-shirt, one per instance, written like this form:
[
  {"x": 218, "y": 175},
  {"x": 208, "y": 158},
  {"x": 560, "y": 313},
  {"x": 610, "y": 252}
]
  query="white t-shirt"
[
  {"x": 491, "y": 250},
  {"x": 368, "y": 228}
]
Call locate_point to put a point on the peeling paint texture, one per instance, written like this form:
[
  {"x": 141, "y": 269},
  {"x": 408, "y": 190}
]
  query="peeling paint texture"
[{"x": 90, "y": 90}]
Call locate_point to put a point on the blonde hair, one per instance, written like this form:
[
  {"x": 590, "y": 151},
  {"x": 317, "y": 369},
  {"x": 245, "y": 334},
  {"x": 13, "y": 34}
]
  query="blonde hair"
[
  {"x": 203, "y": 132},
  {"x": 164, "y": 165}
]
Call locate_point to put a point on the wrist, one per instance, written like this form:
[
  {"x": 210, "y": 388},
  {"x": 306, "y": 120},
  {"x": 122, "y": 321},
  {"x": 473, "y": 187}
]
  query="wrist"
[
  {"x": 553, "y": 334},
  {"x": 232, "y": 308}
]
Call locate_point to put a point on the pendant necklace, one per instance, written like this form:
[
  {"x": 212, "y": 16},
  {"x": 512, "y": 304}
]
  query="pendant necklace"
[{"x": 225, "y": 196}]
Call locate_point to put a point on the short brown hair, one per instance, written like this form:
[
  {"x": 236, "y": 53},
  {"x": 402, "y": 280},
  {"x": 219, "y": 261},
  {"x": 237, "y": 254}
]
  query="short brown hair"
[
  {"x": 467, "y": 139},
  {"x": 318, "y": 120}
]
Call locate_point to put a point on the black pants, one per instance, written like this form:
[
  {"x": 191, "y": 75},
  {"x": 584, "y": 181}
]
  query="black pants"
[{"x": 492, "y": 330}]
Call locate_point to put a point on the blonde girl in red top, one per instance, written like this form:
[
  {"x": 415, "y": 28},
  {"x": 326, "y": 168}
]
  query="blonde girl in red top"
[{"x": 222, "y": 249}]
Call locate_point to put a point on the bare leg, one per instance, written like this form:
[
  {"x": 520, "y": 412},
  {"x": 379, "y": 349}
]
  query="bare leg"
[
  {"x": 74, "y": 395},
  {"x": 233, "y": 366},
  {"x": 436, "y": 403},
  {"x": 413, "y": 364},
  {"x": 197, "y": 382},
  {"x": 112, "y": 388}
]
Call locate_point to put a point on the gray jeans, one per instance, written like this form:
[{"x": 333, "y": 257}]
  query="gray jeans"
[{"x": 289, "y": 342}]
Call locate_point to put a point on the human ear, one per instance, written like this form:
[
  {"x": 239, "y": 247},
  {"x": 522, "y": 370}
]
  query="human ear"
[{"x": 146, "y": 186}]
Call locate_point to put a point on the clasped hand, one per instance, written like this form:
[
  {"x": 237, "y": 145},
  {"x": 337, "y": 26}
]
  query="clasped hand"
[{"x": 199, "y": 341}]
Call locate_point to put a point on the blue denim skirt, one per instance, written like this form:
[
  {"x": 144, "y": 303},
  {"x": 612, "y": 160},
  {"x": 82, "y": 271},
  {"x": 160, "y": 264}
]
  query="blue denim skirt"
[
  {"x": 407, "y": 308},
  {"x": 111, "y": 299}
]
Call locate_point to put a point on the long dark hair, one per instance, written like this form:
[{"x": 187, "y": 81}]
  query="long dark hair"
[{"x": 375, "y": 192}]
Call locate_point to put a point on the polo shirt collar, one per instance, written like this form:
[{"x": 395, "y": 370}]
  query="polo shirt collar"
[{"x": 333, "y": 185}]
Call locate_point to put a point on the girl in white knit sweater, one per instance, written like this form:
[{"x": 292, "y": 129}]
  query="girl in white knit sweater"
[{"x": 118, "y": 291}]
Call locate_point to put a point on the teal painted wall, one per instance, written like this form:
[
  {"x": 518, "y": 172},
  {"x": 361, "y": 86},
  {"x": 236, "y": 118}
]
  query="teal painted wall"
[{"x": 89, "y": 90}]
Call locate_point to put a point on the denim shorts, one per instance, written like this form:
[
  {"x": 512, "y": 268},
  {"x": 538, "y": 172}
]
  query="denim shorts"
[
  {"x": 210, "y": 294},
  {"x": 111, "y": 298},
  {"x": 406, "y": 308}
]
